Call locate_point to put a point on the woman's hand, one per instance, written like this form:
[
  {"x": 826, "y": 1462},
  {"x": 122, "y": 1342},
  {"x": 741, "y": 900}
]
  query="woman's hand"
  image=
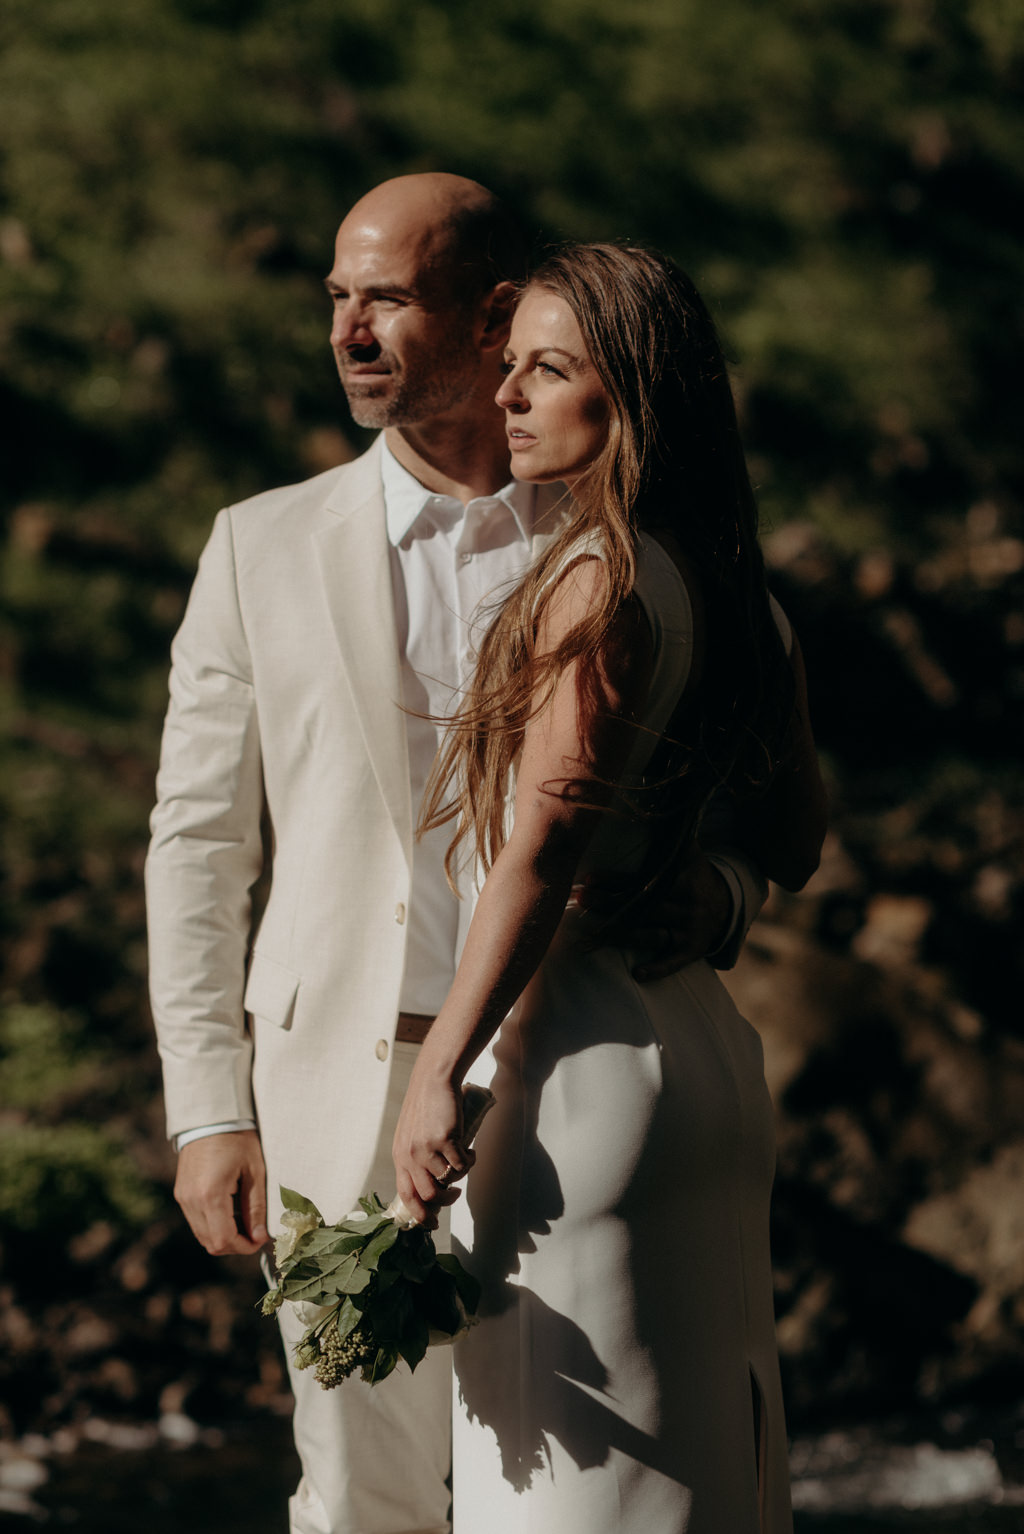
[
  {"x": 685, "y": 919},
  {"x": 427, "y": 1146}
]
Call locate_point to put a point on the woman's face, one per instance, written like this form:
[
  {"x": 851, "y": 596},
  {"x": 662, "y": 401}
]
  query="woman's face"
[{"x": 556, "y": 407}]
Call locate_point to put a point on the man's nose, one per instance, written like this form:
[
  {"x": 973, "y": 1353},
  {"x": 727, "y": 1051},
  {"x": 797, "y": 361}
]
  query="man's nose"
[{"x": 350, "y": 325}]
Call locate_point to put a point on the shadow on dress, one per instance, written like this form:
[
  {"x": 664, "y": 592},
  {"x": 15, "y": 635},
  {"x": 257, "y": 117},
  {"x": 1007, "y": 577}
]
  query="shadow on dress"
[
  {"x": 622, "y": 1125},
  {"x": 567, "y": 1376}
]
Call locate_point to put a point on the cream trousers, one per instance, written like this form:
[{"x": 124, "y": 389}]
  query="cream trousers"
[{"x": 375, "y": 1459}]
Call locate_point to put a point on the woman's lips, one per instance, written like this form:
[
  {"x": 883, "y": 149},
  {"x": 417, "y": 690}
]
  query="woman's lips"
[{"x": 519, "y": 439}]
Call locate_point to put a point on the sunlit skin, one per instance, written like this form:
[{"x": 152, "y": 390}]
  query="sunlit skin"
[
  {"x": 416, "y": 342},
  {"x": 556, "y": 407},
  {"x": 403, "y": 350}
]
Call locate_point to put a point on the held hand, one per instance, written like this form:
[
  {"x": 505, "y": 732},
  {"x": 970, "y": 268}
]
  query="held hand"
[
  {"x": 684, "y": 922},
  {"x": 427, "y": 1151},
  {"x": 222, "y": 1188}
]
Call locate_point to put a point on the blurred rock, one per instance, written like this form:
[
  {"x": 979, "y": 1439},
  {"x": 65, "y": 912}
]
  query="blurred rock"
[
  {"x": 19, "y": 1472},
  {"x": 893, "y": 928},
  {"x": 834, "y": 1476}
]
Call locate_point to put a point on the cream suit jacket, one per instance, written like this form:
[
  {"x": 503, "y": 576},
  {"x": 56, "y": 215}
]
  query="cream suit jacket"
[{"x": 284, "y": 723}]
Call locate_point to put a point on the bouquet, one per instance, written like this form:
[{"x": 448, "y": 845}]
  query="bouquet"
[{"x": 379, "y": 1288}]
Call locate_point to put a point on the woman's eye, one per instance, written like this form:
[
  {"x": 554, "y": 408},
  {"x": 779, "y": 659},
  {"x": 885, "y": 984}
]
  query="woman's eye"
[
  {"x": 550, "y": 369},
  {"x": 505, "y": 368}
]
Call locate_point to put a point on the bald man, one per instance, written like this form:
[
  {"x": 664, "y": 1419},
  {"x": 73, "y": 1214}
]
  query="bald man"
[{"x": 327, "y": 619}]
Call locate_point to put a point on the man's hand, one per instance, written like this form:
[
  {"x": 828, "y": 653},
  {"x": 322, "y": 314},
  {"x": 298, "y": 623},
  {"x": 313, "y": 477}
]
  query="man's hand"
[
  {"x": 685, "y": 921},
  {"x": 222, "y": 1188}
]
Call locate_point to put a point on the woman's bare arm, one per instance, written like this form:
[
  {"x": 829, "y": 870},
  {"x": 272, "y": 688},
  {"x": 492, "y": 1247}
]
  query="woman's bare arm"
[{"x": 525, "y": 893}]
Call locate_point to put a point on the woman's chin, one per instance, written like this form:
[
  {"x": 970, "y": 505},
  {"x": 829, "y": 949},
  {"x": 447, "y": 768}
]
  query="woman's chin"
[{"x": 536, "y": 474}]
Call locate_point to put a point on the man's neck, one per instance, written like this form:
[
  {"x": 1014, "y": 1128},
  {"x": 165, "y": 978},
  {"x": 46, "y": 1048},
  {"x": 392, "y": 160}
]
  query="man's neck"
[{"x": 463, "y": 460}]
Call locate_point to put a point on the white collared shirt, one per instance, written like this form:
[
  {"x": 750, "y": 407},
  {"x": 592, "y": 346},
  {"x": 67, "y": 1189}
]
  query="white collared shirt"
[{"x": 449, "y": 564}]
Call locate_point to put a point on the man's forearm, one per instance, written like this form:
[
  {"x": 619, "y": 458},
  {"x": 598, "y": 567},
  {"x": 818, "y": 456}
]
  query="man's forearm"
[{"x": 748, "y": 891}]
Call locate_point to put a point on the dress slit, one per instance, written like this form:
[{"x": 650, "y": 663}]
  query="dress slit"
[{"x": 760, "y": 1448}]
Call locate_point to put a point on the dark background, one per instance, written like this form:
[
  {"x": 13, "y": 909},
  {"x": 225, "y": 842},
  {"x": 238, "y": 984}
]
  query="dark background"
[{"x": 843, "y": 178}]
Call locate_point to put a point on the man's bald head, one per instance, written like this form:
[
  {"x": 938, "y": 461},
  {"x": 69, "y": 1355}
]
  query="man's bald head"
[
  {"x": 422, "y": 299},
  {"x": 458, "y": 227}
]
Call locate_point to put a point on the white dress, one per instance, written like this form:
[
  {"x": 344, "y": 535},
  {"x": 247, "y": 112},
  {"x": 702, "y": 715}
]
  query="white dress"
[{"x": 623, "y": 1378}]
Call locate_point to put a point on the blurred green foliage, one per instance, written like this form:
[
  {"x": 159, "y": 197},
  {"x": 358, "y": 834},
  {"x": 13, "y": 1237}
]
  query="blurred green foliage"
[
  {"x": 57, "y": 1180},
  {"x": 840, "y": 176},
  {"x": 58, "y": 1173}
]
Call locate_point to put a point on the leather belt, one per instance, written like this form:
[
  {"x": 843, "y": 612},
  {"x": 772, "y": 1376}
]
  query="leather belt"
[{"x": 412, "y": 1027}]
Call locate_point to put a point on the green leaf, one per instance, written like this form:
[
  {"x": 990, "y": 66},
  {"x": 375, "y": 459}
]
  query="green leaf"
[
  {"x": 271, "y": 1302},
  {"x": 414, "y": 1339},
  {"x": 324, "y": 1263},
  {"x": 349, "y": 1317},
  {"x": 382, "y": 1242},
  {"x": 312, "y": 1332},
  {"x": 295, "y": 1201},
  {"x": 438, "y": 1302},
  {"x": 373, "y": 1204},
  {"x": 414, "y": 1255},
  {"x": 391, "y": 1312},
  {"x": 327, "y": 1239},
  {"x": 467, "y": 1286},
  {"x": 363, "y": 1228},
  {"x": 383, "y": 1365},
  {"x": 353, "y": 1282},
  {"x": 310, "y": 1293},
  {"x": 329, "y": 1274}
]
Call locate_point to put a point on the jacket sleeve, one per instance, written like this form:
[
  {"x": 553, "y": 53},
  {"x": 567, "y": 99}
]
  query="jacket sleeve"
[
  {"x": 206, "y": 853},
  {"x": 749, "y": 891}
]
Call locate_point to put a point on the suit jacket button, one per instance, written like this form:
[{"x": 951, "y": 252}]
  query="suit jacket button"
[
  {"x": 400, "y": 913},
  {"x": 381, "y": 1049}
]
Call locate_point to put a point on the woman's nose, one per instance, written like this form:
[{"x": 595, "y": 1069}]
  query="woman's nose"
[{"x": 510, "y": 396}]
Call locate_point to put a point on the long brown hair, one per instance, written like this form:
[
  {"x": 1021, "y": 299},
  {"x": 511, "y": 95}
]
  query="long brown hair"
[{"x": 672, "y": 460}]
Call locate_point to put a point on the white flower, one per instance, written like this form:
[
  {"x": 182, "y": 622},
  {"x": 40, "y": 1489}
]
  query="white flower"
[{"x": 296, "y": 1224}]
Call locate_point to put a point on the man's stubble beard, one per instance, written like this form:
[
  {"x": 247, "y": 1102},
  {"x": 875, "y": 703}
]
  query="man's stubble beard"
[{"x": 427, "y": 388}]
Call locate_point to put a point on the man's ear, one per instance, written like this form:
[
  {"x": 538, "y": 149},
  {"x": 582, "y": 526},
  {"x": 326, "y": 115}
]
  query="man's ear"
[{"x": 496, "y": 310}]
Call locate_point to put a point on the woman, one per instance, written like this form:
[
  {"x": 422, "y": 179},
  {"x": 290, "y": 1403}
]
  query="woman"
[{"x": 624, "y": 1375}]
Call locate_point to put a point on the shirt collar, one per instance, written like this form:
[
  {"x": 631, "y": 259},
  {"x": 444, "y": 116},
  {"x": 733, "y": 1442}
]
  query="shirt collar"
[{"x": 405, "y": 500}]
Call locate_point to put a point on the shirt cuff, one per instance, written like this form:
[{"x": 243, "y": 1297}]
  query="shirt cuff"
[{"x": 233, "y": 1126}]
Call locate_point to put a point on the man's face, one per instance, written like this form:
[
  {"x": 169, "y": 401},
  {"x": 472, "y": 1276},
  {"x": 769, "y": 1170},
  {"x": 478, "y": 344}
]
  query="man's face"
[{"x": 404, "y": 343}]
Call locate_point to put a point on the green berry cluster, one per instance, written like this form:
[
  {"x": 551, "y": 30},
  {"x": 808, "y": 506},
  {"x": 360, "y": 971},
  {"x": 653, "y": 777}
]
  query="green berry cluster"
[{"x": 338, "y": 1357}]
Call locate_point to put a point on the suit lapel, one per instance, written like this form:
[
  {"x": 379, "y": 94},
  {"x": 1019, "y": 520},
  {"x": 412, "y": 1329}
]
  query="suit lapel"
[
  {"x": 355, "y": 565},
  {"x": 353, "y": 552}
]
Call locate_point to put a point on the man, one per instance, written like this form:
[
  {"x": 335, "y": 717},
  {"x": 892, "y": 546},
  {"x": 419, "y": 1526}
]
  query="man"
[{"x": 327, "y": 620}]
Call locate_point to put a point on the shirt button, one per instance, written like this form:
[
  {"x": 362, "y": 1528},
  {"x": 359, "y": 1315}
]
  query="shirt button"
[
  {"x": 381, "y": 1049},
  {"x": 465, "y": 558},
  {"x": 400, "y": 914}
]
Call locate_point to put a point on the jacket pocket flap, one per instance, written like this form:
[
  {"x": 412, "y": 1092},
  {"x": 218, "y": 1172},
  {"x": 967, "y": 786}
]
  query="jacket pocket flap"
[{"x": 270, "y": 991}]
